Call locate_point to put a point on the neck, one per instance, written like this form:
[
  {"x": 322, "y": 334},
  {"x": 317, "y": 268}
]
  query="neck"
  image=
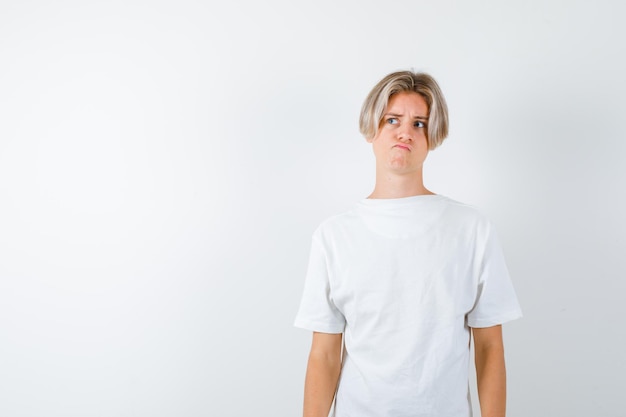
[{"x": 398, "y": 186}]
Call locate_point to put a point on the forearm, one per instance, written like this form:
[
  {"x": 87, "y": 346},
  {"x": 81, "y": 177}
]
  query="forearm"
[
  {"x": 320, "y": 384},
  {"x": 491, "y": 378}
]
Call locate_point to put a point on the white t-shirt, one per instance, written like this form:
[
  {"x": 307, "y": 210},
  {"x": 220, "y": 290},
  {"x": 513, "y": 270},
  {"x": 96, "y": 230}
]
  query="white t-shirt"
[{"x": 404, "y": 279}]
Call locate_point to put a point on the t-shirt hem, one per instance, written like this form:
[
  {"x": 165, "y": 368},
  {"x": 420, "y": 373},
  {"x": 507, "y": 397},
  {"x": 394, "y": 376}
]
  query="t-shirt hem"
[
  {"x": 318, "y": 326},
  {"x": 494, "y": 321}
]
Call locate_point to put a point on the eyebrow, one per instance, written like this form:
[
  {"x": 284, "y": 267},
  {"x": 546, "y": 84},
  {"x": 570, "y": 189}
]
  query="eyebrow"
[{"x": 400, "y": 115}]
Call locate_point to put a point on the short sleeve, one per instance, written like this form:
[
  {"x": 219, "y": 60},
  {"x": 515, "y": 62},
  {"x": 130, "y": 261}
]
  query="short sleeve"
[
  {"x": 496, "y": 301},
  {"x": 317, "y": 311}
]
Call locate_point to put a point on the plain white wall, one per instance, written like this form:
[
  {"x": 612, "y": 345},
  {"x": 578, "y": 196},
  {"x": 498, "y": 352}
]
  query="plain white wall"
[{"x": 163, "y": 165}]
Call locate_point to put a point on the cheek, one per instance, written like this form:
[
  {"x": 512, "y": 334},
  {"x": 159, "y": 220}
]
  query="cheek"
[{"x": 422, "y": 140}]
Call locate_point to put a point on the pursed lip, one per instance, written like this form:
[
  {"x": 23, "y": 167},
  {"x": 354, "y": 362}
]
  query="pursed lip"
[{"x": 400, "y": 145}]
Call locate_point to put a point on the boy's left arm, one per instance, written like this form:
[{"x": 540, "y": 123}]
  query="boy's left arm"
[{"x": 490, "y": 370}]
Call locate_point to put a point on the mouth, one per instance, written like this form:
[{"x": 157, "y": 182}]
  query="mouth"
[{"x": 405, "y": 147}]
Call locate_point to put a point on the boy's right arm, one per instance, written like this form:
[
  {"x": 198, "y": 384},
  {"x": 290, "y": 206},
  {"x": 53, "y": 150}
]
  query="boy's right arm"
[{"x": 322, "y": 374}]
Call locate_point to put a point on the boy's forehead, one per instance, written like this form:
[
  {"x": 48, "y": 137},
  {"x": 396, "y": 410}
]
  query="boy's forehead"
[{"x": 407, "y": 101}]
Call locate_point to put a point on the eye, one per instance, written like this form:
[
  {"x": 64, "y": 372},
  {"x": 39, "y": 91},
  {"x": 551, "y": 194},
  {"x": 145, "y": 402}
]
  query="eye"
[
  {"x": 419, "y": 124},
  {"x": 392, "y": 121}
]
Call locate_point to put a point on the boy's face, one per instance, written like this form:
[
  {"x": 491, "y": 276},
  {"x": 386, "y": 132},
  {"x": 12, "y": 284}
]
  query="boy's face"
[{"x": 400, "y": 145}]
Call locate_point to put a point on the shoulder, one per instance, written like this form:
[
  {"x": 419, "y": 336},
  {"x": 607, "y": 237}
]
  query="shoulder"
[
  {"x": 463, "y": 213},
  {"x": 335, "y": 224}
]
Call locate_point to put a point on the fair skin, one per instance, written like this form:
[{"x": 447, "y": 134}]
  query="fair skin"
[
  {"x": 401, "y": 147},
  {"x": 322, "y": 374},
  {"x": 490, "y": 370}
]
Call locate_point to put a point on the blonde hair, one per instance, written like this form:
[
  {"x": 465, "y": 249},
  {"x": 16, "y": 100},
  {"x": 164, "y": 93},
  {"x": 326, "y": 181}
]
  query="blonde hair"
[{"x": 406, "y": 81}]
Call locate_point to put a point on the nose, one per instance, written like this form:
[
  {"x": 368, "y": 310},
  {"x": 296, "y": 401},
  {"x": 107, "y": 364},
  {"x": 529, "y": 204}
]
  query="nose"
[{"x": 405, "y": 134}]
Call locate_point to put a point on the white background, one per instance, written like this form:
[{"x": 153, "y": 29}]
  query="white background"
[{"x": 163, "y": 165}]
